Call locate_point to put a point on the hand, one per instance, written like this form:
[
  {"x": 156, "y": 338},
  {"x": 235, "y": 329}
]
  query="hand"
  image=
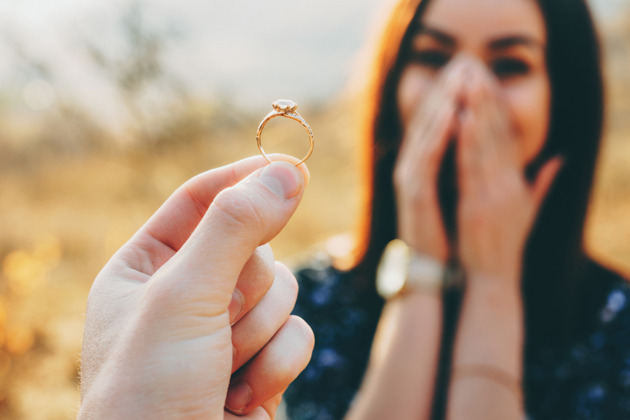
[
  {"x": 194, "y": 296},
  {"x": 497, "y": 205},
  {"x": 426, "y": 138}
]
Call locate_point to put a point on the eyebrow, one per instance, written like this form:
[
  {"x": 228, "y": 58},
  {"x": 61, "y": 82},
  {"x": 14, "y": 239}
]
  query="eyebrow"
[
  {"x": 515, "y": 40},
  {"x": 440, "y": 36},
  {"x": 499, "y": 43}
]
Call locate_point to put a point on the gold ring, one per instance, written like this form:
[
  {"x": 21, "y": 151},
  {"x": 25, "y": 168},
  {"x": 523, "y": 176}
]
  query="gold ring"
[{"x": 288, "y": 109}]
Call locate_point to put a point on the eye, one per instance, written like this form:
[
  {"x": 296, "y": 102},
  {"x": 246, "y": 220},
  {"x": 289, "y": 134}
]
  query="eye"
[
  {"x": 433, "y": 59},
  {"x": 509, "y": 67}
]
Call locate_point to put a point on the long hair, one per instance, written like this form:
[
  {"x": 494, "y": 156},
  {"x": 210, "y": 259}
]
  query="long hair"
[{"x": 561, "y": 286}]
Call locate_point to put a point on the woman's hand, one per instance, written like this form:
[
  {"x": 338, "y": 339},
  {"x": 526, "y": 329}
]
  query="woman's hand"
[
  {"x": 400, "y": 379},
  {"x": 497, "y": 206},
  {"x": 194, "y": 302},
  {"x": 497, "y": 209},
  {"x": 426, "y": 138}
]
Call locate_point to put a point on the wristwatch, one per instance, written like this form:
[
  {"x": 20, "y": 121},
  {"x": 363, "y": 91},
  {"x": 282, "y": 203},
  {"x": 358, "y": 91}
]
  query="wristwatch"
[{"x": 401, "y": 270}]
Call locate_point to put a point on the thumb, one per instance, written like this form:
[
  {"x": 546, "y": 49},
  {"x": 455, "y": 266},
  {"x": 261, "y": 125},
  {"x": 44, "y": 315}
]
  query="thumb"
[
  {"x": 545, "y": 178},
  {"x": 239, "y": 219}
]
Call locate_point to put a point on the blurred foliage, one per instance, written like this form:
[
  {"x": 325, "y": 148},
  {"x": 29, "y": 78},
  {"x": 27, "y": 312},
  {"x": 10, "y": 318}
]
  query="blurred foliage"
[{"x": 73, "y": 192}]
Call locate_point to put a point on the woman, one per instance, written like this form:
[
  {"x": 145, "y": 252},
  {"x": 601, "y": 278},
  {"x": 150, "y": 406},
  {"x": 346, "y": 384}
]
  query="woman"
[{"x": 485, "y": 123}]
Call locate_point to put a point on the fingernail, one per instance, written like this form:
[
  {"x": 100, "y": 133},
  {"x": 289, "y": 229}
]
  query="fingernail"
[
  {"x": 236, "y": 305},
  {"x": 283, "y": 178},
  {"x": 238, "y": 397}
]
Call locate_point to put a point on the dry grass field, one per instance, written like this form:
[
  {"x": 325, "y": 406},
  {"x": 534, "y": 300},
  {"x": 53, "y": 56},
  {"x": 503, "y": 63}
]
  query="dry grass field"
[
  {"x": 71, "y": 194},
  {"x": 62, "y": 215}
]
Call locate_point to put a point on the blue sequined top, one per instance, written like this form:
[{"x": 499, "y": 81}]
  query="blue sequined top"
[{"x": 590, "y": 382}]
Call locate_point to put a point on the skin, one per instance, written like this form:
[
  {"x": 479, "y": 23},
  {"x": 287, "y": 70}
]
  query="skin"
[
  {"x": 191, "y": 318},
  {"x": 477, "y": 76}
]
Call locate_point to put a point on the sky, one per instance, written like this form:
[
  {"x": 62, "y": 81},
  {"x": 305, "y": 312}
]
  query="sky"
[{"x": 249, "y": 52}]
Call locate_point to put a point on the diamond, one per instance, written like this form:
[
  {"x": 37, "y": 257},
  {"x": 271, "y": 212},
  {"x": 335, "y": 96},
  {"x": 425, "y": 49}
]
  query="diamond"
[{"x": 285, "y": 106}]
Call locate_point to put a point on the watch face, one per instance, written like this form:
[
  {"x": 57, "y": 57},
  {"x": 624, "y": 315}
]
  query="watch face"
[{"x": 392, "y": 269}]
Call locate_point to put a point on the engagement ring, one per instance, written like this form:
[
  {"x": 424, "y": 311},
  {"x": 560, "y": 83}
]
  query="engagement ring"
[{"x": 288, "y": 109}]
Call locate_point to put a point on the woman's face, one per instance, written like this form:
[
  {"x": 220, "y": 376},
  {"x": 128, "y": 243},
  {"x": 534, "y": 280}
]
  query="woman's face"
[{"x": 508, "y": 36}]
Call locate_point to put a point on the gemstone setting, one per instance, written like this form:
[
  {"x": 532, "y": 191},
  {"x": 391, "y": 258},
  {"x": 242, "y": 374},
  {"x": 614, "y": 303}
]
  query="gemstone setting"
[{"x": 285, "y": 106}]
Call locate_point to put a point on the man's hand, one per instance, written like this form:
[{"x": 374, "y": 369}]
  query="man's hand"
[{"x": 191, "y": 317}]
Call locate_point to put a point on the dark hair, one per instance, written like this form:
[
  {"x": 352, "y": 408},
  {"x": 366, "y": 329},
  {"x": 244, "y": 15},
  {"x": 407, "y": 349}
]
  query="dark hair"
[{"x": 561, "y": 286}]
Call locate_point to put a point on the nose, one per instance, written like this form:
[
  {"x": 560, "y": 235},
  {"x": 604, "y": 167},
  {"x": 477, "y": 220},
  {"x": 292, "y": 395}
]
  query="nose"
[{"x": 469, "y": 62}]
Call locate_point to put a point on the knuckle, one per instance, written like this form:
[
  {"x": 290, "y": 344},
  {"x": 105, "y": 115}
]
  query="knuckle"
[
  {"x": 161, "y": 295},
  {"x": 289, "y": 281},
  {"x": 239, "y": 209},
  {"x": 165, "y": 298},
  {"x": 259, "y": 270},
  {"x": 158, "y": 299},
  {"x": 303, "y": 331},
  {"x": 266, "y": 253},
  {"x": 266, "y": 276},
  {"x": 189, "y": 190},
  {"x": 297, "y": 331}
]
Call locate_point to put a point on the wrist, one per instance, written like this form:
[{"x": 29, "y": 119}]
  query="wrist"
[
  {"x": 495, "y": 295},
  {"x": 491, "y": 328},
  {"x": 507, "y": 282}
]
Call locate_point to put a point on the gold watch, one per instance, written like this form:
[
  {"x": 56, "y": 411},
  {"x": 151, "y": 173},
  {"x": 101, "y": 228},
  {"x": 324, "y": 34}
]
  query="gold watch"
[{"x": 401, "y": 270}]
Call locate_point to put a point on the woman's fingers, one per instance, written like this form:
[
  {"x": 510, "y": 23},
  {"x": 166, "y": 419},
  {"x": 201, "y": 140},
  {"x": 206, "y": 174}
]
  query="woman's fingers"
[
  {"x": 431, "y": 127},
  {"x": 255, "y": 329},
  {"x": 254, "y": 281},
  {"x": 273, "y": 368},
  {"x": 468, "y": 154},
  {"x": 498, "y": 138},
  {"x": 487, "y": 147},
  {"x": 545, "y": 179},
  {"x": 420, "y": 159}
]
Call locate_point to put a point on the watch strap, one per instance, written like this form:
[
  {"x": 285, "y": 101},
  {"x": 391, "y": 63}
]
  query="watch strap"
[{"x": 424, "y": 274}]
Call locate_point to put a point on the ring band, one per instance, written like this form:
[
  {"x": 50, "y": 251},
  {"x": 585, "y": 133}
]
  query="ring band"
[{"x": 288, "y": 109}]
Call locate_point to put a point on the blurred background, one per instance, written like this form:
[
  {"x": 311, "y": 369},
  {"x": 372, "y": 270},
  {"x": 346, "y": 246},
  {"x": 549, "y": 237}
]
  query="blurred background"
[{"x": 106, "y": 107}]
